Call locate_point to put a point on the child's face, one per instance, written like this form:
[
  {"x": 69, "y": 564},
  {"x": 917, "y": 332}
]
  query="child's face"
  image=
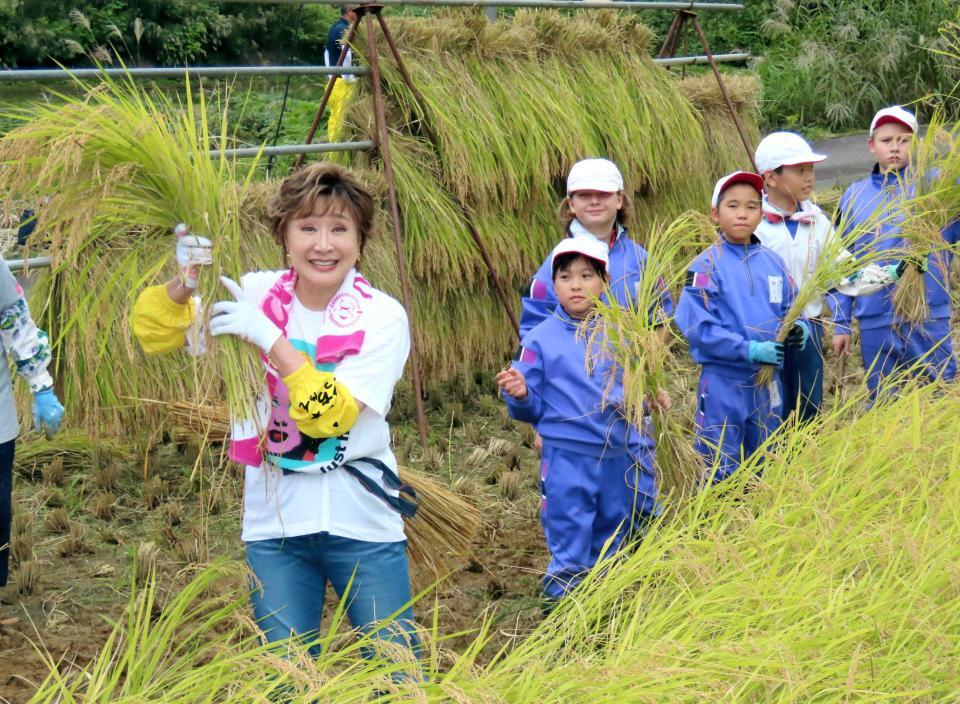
[
  {"x": 577, "y": 287},
  {"x": 738, "y": 213},
  {"x": 595, "y": 209},
  {"x": 890, "y": 144},
  {"x": 323, "y": 246},
  {"x": 792, "y": 183}
]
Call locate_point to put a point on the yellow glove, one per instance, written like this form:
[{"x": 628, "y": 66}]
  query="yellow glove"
[
  {"x": 319, "y": 405},
  {"x": 159, "y": 322}
]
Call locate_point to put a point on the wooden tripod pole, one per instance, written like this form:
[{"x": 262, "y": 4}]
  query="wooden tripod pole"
[{"x": 382, "y": 139}]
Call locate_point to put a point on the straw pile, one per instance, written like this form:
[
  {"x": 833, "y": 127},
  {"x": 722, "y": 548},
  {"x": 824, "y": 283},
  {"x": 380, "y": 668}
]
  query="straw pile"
[{"x": 512, "y": 105}]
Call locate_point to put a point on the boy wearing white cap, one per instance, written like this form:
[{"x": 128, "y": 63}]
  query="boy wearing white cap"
[
  {"x": 592, "y": 489},
  {"x": 736, "y": 296},
  {"x": 797, "y": 230},
  {"x": 889, "y": 344}
]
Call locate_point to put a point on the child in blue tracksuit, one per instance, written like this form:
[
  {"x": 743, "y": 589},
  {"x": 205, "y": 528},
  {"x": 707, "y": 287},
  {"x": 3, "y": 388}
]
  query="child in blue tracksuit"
[
  {"x": 736, "y": 296},
  {"x": 593, "y": 491},
  {"x": 797, "y": 230},
  {"x": 889, "y": 344},
  {"x": 597, "y": 207}
]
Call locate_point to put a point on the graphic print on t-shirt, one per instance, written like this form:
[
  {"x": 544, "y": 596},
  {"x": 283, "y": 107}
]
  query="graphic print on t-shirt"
[{"x": 287, "y": 447}]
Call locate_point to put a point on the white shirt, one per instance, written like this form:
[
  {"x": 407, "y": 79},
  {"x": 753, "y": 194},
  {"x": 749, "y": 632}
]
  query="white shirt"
[{"x": 280, "y": 505}]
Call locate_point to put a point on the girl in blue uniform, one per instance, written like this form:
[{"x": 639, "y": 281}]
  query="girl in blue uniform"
[{"x": 591, "y": 486}]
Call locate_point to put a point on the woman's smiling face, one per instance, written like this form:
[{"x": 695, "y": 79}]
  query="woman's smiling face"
[{"x": 323, "y": 246}]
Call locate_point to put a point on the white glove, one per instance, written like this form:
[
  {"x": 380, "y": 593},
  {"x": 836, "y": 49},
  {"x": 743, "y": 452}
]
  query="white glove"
[
  {"x": 193, "y": 252},
  {"x": 243, "y": 319}
]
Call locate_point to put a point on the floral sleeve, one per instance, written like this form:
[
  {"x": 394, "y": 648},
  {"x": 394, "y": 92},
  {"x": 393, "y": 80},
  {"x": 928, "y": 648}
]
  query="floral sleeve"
[{"x": 28, "y": 345}]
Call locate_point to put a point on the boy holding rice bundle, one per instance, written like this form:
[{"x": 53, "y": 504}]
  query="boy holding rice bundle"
[
  {"x": 736, "y": 295},
  {"x": 591, "y": 486},
  {"x": 797, "y": 230},
  {"x": 888, "y": 343}
]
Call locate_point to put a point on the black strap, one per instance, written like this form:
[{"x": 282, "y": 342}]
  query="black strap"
[{"x": 405, "y": 504}]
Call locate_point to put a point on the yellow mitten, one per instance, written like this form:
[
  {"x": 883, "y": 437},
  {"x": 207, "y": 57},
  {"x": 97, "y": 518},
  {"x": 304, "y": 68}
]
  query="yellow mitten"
[{"x": 319, "y": 405}]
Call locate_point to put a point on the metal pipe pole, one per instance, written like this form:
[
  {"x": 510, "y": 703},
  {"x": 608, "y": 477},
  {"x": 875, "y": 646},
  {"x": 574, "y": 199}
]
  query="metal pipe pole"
[
  {"x": 723, "y": 91},
  {"x": 701, "y": 59},
  {"x": 31, "y": 263},
  {"x": 474, "y": 233},
  {"x": 68, "y": 74},
  {"x": 344, "y": 47},
  {"x": 557, "y": 4},
  {"x": 288, "y": 149},
  {"x": 383, "y": 142}
]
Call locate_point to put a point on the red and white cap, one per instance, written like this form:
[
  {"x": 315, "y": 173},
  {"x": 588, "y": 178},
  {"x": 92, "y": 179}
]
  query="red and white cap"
[
  {"x": 724, "y": 183},
  {"x": 589, "y": 247},
  {"x": 594, "y": 175},
  {"x": 784, "y": 149},
  {"x": 894, "y": 113}
]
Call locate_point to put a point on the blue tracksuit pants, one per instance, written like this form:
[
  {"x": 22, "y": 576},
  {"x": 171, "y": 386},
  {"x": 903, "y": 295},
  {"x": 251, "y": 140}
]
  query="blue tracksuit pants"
[
  {"x": 892, "y": 348},
  {"x": 586, "y": 501},
  {"x": 803, "y": 376},
  {"x": 734, "y": 417}
]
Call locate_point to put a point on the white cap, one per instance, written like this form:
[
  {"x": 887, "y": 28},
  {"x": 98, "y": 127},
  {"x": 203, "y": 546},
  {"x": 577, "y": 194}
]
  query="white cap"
[
  {"x": 724, "y": 183},
  {"x": 784, "y": 149},
  {"x": 595, "y": 175},
  {"x": 589, "y": 247},
  {"x": 894, "y": 113}
]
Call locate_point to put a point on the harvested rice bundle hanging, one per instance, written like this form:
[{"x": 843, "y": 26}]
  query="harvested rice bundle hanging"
[{"x": 639, "y": 338}]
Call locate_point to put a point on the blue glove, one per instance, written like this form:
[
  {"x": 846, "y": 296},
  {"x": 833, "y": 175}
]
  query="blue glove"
[
  {"x": 766, "y": 352},
  {"x": 799, "y": 335},
  {"x": 47, "y": 411},
  {"x": 896, "y": 270}
]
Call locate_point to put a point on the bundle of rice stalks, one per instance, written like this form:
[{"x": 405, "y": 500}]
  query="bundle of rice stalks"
[
  {"x": 121, "y": 167},
  {"x": 211, "y": 422},
  {"x": 441, "y": 533},
  {"x": 75, "y": 450},
  {"x": 834, "y": 264},
  {"x": 638, "y": 340}
]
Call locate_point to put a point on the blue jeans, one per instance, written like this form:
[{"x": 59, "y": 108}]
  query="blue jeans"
[{"x": 293, "y": 574}]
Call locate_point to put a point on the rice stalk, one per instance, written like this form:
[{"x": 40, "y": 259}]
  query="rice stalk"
[{"x": 638, "y": 339}]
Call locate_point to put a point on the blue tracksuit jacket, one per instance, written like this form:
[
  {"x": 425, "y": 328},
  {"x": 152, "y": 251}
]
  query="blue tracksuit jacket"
[
  {"x": 627, "y": 263},
  {"x": 887, "y": 344},
  {"x": 733, "y": 294}
]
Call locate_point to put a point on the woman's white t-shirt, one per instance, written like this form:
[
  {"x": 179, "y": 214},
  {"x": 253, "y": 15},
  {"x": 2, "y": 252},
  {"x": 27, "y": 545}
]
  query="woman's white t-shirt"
[{"x": 277, "y": 504}]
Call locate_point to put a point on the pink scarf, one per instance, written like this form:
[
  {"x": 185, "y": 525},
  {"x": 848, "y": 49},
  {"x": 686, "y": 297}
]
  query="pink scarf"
[{"x": 342, "y": 335}]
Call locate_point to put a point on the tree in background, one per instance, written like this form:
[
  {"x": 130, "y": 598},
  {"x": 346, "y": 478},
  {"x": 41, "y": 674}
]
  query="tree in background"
[{"x": 156, "y": 32}]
